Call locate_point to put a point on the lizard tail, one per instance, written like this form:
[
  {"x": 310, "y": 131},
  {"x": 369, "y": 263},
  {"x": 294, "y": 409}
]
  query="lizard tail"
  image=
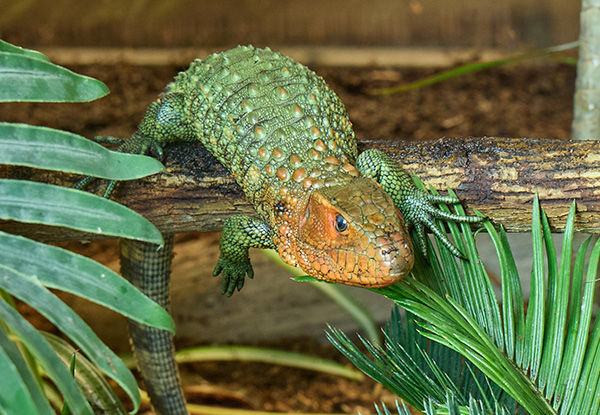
[{"x": 149, "y": 269}]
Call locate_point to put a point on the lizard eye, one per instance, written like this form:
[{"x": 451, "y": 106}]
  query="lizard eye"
[{"x": 340, "y": 223}]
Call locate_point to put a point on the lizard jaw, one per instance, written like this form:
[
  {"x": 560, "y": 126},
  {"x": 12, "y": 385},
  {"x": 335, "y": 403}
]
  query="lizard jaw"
[{"x": 357, "y": 268}]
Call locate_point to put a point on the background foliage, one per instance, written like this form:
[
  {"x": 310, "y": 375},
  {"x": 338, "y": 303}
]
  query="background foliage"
[{"x": 35, "y": 366}]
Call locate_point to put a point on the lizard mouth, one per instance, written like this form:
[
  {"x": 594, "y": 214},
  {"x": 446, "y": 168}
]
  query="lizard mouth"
[
  {"x": 358, "y": 269},
  {"x": 398, "y": 271}
]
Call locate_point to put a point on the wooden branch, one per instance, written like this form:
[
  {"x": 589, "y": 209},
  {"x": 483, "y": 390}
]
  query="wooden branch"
[{"x": 497, "y": 176}]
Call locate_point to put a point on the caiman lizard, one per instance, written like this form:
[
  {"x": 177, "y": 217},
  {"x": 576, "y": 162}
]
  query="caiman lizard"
[{"x": 286, "y": 138}]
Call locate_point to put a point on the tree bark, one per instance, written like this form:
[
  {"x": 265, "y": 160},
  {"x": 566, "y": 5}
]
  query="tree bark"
[{"x": 497, "y": 176}]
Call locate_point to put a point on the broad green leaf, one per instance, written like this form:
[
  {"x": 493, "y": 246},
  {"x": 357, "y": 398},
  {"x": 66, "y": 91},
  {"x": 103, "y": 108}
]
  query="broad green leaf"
[
  {"x": 42, "y": 203},
  {"x": 31, "y": 291},
  {"x": 15, "y": 398},
  {"x": 91, "y": 381},
  {"x": 47, "y": 359},
  {"x": 8, "y": 48},
  {"x": 50, "y": 149},
  {"x": 63, "y": 270},
  {"x": 27, "y": 78},
  {"x": 25, "y": 374}
]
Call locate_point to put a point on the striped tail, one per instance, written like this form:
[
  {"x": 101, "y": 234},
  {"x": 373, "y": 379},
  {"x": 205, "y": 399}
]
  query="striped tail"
[{"x": 149, "y": 269}]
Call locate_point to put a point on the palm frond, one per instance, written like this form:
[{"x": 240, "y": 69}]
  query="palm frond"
[
  {"x": 449, "y": 406},
  {"x": 28, "y": 269},
  {"x": 542, "y": 361}
]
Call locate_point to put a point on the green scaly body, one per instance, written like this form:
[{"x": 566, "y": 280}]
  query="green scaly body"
[{"x": 287, "y": 140}]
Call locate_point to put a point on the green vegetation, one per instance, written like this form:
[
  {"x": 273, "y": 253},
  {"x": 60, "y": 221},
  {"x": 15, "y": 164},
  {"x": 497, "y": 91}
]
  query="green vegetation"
[
  {"x": 461, "y": 350},
  {"x": 35, "y": 366}
]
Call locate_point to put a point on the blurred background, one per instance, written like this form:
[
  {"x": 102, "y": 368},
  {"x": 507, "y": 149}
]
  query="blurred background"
[
  {"x": 505, "y": 24},
  {"x": 435, "y": 24}
]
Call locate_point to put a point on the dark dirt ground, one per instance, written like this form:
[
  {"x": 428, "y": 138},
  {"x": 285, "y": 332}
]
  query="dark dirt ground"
[
  {"x": 518, "y": 101},
  {"x": 521, "y": 101}
]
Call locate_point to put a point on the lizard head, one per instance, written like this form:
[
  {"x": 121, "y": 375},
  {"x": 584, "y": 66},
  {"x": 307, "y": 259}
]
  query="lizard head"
[{"x": 353, "y": 234}]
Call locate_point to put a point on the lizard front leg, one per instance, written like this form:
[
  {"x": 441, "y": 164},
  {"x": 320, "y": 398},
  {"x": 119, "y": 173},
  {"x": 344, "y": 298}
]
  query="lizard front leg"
[
  {"x": 163, "y": 123},
  {"x": 417, "y": 206},
  {"x": 240, "y": 233}
]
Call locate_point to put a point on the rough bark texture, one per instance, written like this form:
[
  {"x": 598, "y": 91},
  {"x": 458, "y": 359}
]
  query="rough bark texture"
[{"x": 497, "y": 176}]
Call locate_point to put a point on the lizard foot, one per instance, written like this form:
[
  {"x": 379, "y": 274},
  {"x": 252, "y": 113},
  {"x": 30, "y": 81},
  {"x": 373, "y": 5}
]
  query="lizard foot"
[
  {"x": 136, "y": 144},
  {"x": 234, "y": 275},
  {"x": 419, "y": 209}
]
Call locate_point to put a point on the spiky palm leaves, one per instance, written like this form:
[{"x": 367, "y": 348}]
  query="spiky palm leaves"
[{"x": 461, "y": 350}]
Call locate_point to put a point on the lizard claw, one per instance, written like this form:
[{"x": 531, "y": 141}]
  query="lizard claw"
[
  {"x": 81, "y": 185},
  {"x": 420, "y": 211},
  {"x": 234, "y": 275}
]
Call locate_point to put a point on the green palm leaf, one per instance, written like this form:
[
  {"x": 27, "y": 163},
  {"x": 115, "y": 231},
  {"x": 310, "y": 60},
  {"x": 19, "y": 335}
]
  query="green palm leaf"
[
  {"x": 28, "y": 268},
  {"x": 543, "y": 361},
  {"x": 448, "y": 406},
  {"x": 91, "y": 381}
]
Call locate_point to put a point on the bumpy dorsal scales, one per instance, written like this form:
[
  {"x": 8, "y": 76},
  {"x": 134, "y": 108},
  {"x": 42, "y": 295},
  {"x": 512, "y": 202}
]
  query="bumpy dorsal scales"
[
  {"x": 265, "y": 117},
  {"x": 286, "y": 138}
]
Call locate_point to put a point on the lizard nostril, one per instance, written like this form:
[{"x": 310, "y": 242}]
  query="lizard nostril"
[{"x": 386, "y": 253}]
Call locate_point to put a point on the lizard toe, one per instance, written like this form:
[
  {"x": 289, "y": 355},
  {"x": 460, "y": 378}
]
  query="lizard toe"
[{"x": 234, "y": 275}]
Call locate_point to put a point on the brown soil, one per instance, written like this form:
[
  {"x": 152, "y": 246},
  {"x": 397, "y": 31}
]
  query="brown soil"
[{"x": 532, "y": 101}]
